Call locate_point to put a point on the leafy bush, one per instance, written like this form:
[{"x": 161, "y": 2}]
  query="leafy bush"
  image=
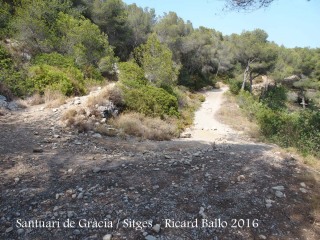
[
  {"x": 297, "y": 129},
  {"x": 131, "y": 74},
  {"x": 83, "y": 40},
  {"x": 151, "y": 101},
  {"x": 10, "y": 76},
  {"x": 54, "y": 59},
  {"x": 235, "y": 86},
  {"x": 275, "y": 97},
  {"x": 156, "y": 60},
  {"x": 4, "y": 18},
  {"x": 68, "y": 81}
]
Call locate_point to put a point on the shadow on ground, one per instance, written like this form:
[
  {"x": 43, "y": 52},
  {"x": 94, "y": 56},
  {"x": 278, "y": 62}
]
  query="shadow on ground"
[{"x": 113, "y": 180}]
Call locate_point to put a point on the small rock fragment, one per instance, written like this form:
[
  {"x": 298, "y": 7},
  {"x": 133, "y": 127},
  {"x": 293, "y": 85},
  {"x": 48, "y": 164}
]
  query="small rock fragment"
[
  {"x": 279, "y": 194},
  {"x": 303, "y": 185},
  {"x": 9, "y": 229},
  {"x": 37, "y": 150},
  {"x": 107, "y": 237},
  {"x": 241, "y": 178},
  {"x": 201, "y": 213},
  {"x": 303, "y": 190},
  {"x": 262, "y": 236},
  {"x": 20, "y": 231},
  {"x": 97, "y": 135},
  {"x": 80, "y": 195},
  {"x": 268, "y": 205},
  {"x": 150, "y": 237},
  {"x": 278, "y": 188},
  {"x": 96, "y": 169},
  {"x": 156, "y": 228}
]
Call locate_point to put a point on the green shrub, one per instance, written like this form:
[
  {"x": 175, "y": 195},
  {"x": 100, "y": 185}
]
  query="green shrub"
[
  {"x": 275, "y": 97},
  {"x": 151, "y": 101},
  {"x": 300, "y": 129},
  {"x": 234, "y": 86},
  {"x": 69, "y": 81},
  {"x": 11, "y": 78},
  {"x": 270, "y": 122},
  {"x": 54, "y": 59},
  {"x": 131, "y": 75}
]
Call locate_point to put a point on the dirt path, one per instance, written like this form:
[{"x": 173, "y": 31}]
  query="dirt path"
[
  {"x": 206, "y": 126},
  {"x": 215, "y": 185}
]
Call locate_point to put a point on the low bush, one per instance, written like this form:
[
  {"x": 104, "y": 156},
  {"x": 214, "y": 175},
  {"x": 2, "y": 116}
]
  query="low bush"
[
  {"x": 299, "y": 129},
  {"x": 54, "y": 59},
  {"x": 274, "y": 97},
  {"x": 234, "y": 86},
  {"x": 151, "y": 101},
  {"x": 11, "y": 78},
  {"x": 69, "y": 81},
  {"x": 131, "y": 75}
]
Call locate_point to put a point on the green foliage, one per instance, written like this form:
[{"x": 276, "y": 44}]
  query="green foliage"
[
  {"x": 69, "y": 81},
  {"x": 10, "y": 76},
  {"x": 131, "y": 74},
  {"x": 5, "y": 17},
  {"x": 274, "y": 97},
  {"x": 34, "y": 23},
  {"x": 142, "y": 97},
  {"x": 112, "y": 18},
  {"x": 83, "y": 40},
  {"x": 151, "y": 101},
  {"x": 204, "y": 55},
  {"x": 297, "y": 129},
  {"x": 255, "y": 54},
  {"x": 156, "y": 61},
  {"x": 171, "y": 29},
  {"x": 54, "y": 59},
  {"x": 140, "y": 22},
  {"x": 234, "y": 86}
]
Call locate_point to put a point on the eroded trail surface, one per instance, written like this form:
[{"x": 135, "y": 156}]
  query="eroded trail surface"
[{"x": 215, "y": 185}]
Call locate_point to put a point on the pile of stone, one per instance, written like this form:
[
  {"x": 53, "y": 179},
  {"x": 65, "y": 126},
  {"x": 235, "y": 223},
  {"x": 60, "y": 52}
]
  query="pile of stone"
[{"x": 4, "y": 103}]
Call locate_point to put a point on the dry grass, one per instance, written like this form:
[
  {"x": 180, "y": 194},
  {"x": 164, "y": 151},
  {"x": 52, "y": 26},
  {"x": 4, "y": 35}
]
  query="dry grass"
[
  {"x": 80, "y": 119},
  {"x": 21, "y": 103},
  {"x": 70, "y": 113},
  {"x": 35, "y": 99},
  {"x": 109, "y": 93},
  {"x": 54, "y": 99},
  {"x": 136, "y": 124},
  {"x": 98, "y": 99},
  {"x": 309, "y": 160},
  {"x": 106, "y": 130},
  {"x": 232, "y": 115}
]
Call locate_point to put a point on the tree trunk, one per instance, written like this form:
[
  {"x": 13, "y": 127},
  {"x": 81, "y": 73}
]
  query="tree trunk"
[
  {"x": 217, "y": 69},
  {"x": 250, "y": 77},
  {"x": 245, "y": 76}
]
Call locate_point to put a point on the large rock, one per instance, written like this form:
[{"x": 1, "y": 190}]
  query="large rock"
[
  {"x": 3, "y": 102},
  {"x": 3, "y": 98},
  {"x": 109, "y": 110}
]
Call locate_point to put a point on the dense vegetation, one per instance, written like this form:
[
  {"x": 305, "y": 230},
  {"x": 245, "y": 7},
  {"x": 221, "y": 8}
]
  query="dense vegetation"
[{"x": 65, "y": 45}]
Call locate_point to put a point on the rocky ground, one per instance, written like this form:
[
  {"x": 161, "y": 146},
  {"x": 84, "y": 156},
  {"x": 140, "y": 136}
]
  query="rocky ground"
[{"x": 217, "y": 184}]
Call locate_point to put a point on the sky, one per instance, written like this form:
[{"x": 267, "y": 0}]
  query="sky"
[{"x": 292, "y": 23}]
